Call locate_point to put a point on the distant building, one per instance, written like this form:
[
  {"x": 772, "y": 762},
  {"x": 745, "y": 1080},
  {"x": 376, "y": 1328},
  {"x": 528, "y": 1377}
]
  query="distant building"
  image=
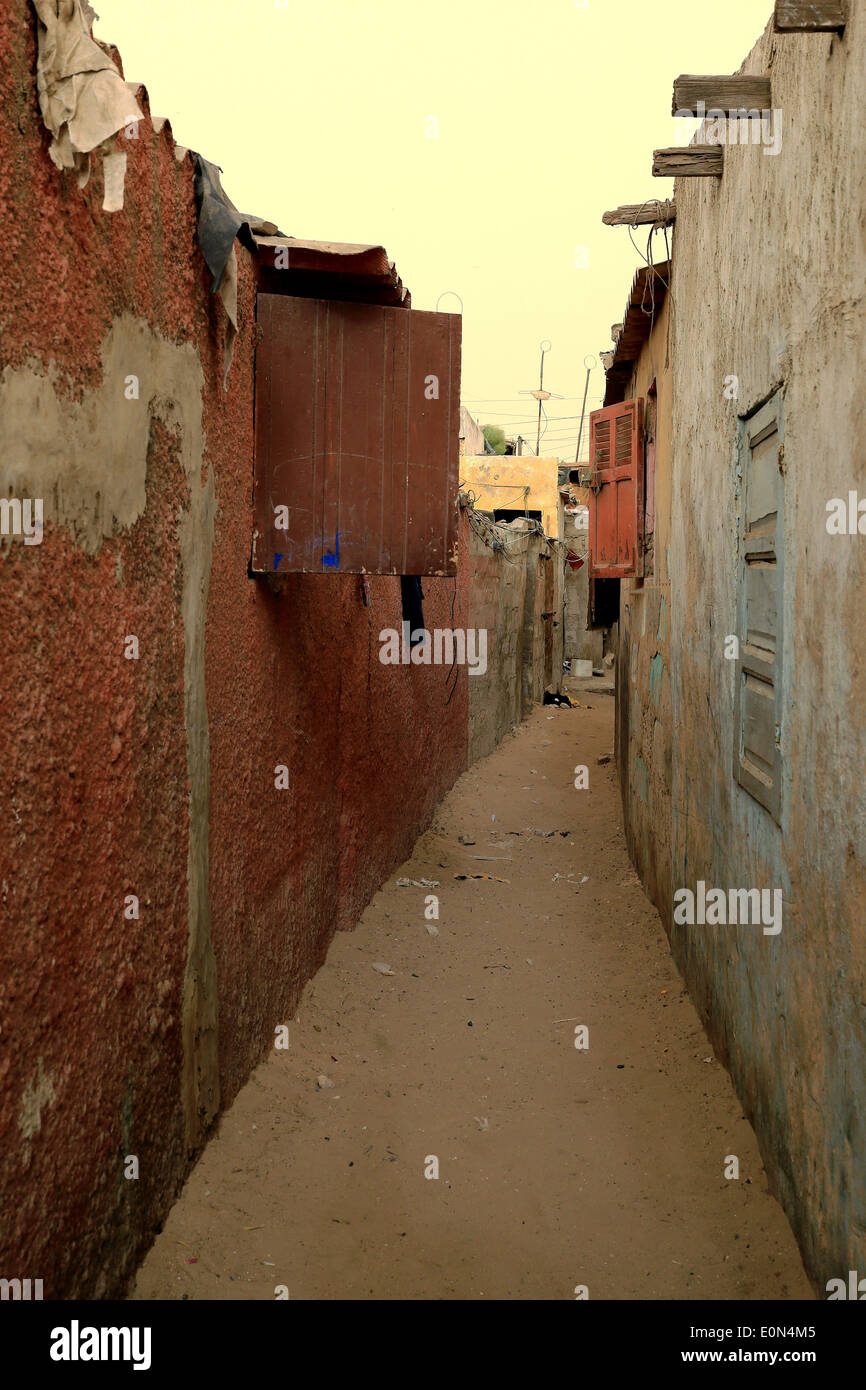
[{"x": 510, "y": 485}]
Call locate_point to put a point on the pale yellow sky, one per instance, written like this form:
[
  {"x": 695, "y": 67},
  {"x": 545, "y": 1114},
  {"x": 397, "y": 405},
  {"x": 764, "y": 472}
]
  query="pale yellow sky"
[{"x": 547, "y": 113}]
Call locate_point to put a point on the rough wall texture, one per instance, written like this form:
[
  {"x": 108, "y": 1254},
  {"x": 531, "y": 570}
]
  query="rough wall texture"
[
  {"x": 644, "y": 729},
  {"x": 510, "y": 589},
  {"x": 768, "y": 282},
  {"x": 580, "y": 643},
  {"x": 153, "y": 776},
  {"x": 497, "y": 589}
]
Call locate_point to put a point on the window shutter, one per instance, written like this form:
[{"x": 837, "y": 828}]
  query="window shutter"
[
  {"x": 616, "y": 503},
  {"x": 757, "y": 754}
]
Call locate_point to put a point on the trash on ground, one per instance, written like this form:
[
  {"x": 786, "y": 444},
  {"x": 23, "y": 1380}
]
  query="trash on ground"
[
  {"x": 488, "y": 877},
  {"x": 382, "y": 968}
]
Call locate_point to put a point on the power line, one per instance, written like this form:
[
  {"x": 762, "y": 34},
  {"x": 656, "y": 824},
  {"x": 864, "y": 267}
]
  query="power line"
[{"x": 498, "y": 400}]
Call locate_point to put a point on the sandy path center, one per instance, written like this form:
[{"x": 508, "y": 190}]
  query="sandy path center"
[{"x": 558, "y": 1167}]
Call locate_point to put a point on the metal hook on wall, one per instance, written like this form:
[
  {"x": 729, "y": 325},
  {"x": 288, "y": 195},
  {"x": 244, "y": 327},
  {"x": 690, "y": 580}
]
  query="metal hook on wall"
[{"x": 444, "y": 295}]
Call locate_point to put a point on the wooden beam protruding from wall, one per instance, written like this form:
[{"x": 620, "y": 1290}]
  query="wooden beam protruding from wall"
[
  {"x": 735, "y": 93},
  {"x": 693, "y": 162},
  {"x": 660, "y": 212},
  {"x": 810, "y": 16}
]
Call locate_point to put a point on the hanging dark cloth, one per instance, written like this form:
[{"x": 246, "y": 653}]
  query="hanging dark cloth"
[
  {"x": 413, "y": 613},
  {"x": 219, "y": 221}
]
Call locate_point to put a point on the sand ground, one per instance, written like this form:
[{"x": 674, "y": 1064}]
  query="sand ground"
[{"x": 558, "y": 1167}]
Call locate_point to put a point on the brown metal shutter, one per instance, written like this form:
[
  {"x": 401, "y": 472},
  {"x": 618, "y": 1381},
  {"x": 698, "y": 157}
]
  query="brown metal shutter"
[{"x": 357, "y": 426}]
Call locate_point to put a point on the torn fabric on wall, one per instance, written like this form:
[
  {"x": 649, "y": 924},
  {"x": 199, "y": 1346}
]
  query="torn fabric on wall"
[
  {"x": 83, "y": 98},
  {"x": 219, "y": 223},
  {"x": 114, "y": 172}
]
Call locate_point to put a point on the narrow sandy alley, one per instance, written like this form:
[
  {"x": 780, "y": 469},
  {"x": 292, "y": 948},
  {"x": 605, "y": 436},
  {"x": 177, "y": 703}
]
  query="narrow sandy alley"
[{"x": 558, "y": 1167}]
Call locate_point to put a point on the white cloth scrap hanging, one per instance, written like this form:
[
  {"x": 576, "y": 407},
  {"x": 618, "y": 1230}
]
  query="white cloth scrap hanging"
[{"x": 82, "y": 96}]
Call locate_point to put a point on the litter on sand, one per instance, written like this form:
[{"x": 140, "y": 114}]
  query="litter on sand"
[
  {"x": 382, "y": 968},
  {"x": 488, "y": 877},
  {"x": 417, "y": 883},
  {"x": 325, "y": 1082}
]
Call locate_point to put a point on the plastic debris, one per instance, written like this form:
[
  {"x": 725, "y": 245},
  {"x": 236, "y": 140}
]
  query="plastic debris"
[
  {"x": 488, "y": 877},
  {"x": 325, "y": 1082},
  {"x": 382, "y": 968},
  {"x": 417, "y": 883}
]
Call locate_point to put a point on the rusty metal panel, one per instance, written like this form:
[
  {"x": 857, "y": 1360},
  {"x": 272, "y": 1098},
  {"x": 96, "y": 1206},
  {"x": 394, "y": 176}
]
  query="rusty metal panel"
[{"x": 357, "y": 425}]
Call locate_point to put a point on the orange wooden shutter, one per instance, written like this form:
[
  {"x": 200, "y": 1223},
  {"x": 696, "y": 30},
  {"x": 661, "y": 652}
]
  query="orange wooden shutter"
[{"x": 616, "y": 503}]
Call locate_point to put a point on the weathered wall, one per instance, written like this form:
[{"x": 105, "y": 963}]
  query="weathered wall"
[
  {"x": 471, "y": 433},
  {"x": 514, "y": 482},
  {"x": 580, "y": 643},
  {"x": 497, "y": 589},
  {"x": 558, "y": 552},
  {"x": 154, "y": 776},
  {"x": 532, "y": 685},
  {"x": 516, "y": 577},
  {"x": 768, "y": 284},
  {"x": 644, "y": 729}
]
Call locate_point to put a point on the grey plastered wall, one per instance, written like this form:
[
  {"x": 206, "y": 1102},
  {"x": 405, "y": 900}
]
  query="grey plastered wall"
[
  {"x": 533, "y": 623},
  {"x": 496, "y": 603},
  {"x": 558, "y": 552},
  {"x": 644, "y": 726},
  {"x": 768, "y": 287}
]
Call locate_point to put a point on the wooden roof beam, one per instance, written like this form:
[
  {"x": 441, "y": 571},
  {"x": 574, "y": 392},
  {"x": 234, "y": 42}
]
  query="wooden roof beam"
[
  {"x": 810, "y": 16},
  {"x": 661, "y": 212},
  {"x": 695, "y": 96},
  {"x": 693, "y": 162}
]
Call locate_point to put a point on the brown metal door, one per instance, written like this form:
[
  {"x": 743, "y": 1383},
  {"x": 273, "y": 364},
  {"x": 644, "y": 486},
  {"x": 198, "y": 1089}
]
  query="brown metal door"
[{"x": 357, "y": 425}]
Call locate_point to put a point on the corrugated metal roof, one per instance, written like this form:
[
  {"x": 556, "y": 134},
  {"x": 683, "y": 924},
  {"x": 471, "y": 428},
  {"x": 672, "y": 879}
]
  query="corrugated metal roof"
[{"x": 327, "y": 269}]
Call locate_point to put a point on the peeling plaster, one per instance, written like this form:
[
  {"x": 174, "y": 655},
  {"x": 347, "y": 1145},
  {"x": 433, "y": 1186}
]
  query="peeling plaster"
[
  {"x": 87, "y": 459},
  {"x": 37, "y": 1094}
]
